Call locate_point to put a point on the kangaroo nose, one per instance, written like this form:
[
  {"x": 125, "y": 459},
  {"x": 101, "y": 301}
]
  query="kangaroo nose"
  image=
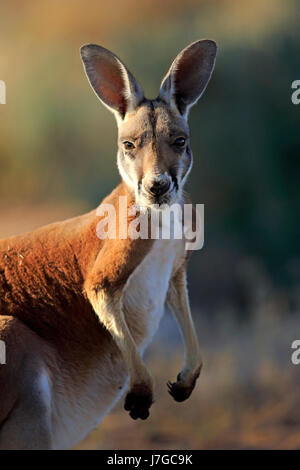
[{"x": 159, "y": 187}]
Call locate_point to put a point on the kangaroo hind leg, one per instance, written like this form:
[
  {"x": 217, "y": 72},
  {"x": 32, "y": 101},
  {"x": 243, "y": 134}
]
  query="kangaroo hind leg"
[{"x": 25, "y": 390}]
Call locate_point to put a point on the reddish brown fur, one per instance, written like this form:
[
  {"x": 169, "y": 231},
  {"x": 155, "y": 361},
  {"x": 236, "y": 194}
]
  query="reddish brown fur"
[{"x": 43, "y": 273}]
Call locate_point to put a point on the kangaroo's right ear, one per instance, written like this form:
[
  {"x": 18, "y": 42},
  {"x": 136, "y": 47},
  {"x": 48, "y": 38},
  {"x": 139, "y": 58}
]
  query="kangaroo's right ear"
[
  {"x": 189, "y": 75},
  {"x": 110, "y": 79}
]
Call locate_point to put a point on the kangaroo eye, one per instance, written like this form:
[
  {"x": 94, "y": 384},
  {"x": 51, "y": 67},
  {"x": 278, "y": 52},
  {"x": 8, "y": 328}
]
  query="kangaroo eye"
[
  {"x": 128, "y": 145},
  {"x": 180, "y": 142}
]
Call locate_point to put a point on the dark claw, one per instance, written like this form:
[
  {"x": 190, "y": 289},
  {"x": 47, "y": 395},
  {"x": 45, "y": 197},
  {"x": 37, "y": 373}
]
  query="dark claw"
[
  {"x": 170, "y": 385},
  {"x": 138, "y": 402},
  {"x": 179, "y": 390},
  {"x": 133, "y": 414}
]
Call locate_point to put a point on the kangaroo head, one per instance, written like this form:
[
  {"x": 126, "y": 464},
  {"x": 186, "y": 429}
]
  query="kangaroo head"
[{"x": 154, "y": 152}]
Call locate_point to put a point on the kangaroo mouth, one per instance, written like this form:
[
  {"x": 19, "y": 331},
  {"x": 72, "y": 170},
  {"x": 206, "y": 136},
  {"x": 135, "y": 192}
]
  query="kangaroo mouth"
[
  {"x": 162, "y": 200},
  {"x": 147, "y": 198}
]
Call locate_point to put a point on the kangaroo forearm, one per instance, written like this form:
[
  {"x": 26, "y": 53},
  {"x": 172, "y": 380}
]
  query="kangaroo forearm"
[{"x": 179, "y": 303}]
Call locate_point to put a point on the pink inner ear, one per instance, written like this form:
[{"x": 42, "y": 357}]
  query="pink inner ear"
[
  {"x": 192, "y": 72},
  {"x": 187, "y": 74},
  {"x": 109, "y": 84},
  {"x": 189, "y": 77}
]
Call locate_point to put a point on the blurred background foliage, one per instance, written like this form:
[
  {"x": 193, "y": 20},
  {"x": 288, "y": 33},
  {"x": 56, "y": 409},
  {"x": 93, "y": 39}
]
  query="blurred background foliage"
[{"x": 58, "y": 143}]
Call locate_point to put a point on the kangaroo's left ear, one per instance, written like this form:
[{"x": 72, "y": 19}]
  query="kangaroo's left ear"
[
  {"x": 111, "y": 80},
  {"x": 189, "y": 75}
]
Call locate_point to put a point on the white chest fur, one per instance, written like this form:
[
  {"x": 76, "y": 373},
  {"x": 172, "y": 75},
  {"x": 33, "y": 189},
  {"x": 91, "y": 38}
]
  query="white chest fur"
[{"x": 147, "y": 287}]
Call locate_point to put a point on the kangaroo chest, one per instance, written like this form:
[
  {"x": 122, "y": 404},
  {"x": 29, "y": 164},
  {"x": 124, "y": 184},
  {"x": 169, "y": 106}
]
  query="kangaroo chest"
[{"x": 147, "y": 288}]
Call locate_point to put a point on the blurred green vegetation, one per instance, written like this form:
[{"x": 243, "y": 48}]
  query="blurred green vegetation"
[{"x": 57, "y": 143}]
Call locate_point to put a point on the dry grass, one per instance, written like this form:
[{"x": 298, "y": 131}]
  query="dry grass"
[{"x": 254, "y": 408}]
